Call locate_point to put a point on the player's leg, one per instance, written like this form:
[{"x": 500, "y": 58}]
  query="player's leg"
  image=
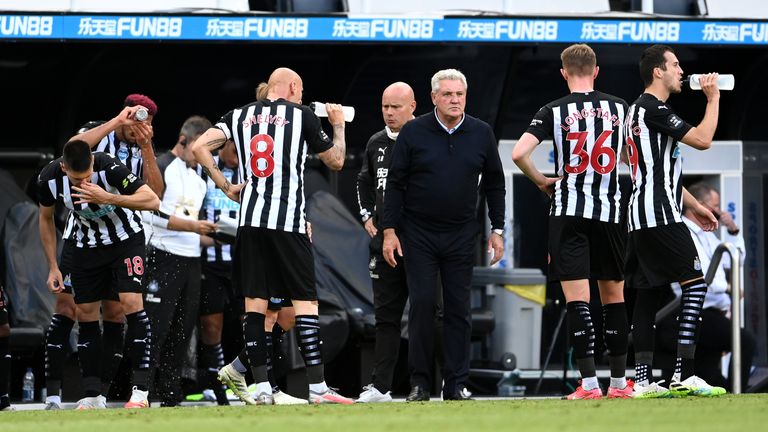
[
  {"x": 569, "y": 263},
  {"x": 89, "y": 352},
  {"x": 56, "y": 343},
  {"x": 212, "y": 298},
  {"x": 128, "y": 268},
  {"x": 390, "y": 293},
  {"x": 113, "y": 340}
]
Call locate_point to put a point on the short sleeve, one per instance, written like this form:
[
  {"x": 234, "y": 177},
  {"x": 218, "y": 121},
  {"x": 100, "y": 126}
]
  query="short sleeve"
[
  {"x": 661, "y": 118},
  {"x": 317, "y": 140},
  {"x": 45, "y": 196},
  {"x": 224, "y": 123},
  {"x": 119, "y": 176},
  {"x": 541, "y": 124}
]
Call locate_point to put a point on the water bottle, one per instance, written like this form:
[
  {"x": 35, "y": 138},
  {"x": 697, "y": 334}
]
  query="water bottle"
[
  {"x": 724, "y": 82},
  {"x": 319, "y": 109},
  {"x": 141, "y": 114},
  {"x": 28, "y": 387}
]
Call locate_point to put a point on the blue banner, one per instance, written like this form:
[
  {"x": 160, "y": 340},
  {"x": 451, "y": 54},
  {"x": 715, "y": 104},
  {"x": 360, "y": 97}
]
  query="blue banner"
[{"x": 343, "y": 29}]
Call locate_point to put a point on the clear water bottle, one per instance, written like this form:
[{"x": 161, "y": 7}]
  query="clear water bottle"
[
  {"x": 141, "y": 114},
  {"x": 28, "y": 387},
  {"x": 724, "y": 82},
  {"x": 319, "y": 109},
  {"x": 508, "y": 384}
]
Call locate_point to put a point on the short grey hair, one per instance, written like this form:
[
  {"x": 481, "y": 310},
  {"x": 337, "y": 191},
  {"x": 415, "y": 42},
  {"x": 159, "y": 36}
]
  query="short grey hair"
[{"x": 447, "y": 74}]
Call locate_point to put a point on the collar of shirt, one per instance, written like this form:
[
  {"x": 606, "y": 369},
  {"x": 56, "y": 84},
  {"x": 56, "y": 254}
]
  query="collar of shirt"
[{"x": 445, "y": 128}]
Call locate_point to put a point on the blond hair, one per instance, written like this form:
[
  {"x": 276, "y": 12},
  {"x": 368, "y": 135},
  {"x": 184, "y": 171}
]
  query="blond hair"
[
  {"x": 262, "y": 90},
  {"x": 579, "y": 60}
]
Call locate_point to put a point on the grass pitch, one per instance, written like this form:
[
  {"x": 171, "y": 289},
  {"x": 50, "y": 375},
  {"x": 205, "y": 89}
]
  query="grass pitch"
[{"x": 726, "y": 413}]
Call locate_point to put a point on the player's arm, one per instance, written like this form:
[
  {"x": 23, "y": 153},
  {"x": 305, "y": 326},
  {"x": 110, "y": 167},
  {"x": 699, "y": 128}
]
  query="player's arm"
[
  {"x": 700, "y": 137},
  {"x": 152, "y": 175},
  {"x": 702, "y": 214},
  {"x": 334, "y": 156},
  {"x": 48, "y": 238},
  {"x": 203, "y": 148},
  {"x": 521, "y": 155},
  {"x": 142, "y": 199},
  {"x": 95, "y": 135},
  {"x": 162, "y": 219}
]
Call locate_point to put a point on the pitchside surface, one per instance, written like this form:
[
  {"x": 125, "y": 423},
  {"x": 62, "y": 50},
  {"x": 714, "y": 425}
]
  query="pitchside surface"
[{"x": 726, "y": 413}]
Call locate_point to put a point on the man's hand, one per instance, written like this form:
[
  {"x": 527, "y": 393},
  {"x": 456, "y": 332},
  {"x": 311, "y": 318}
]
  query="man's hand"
[
  {"x": 496, "y": 244},
  {"x": 370, "y": 228},
  {"x": 727, "y": 221},
  {"x": 55, "y": 282},
  {"x": 335, "y": 114},
  {"x": 548, "y": 186},
  {"x": 89, "y": 193},
  {"x": 233, "y": 191},
  {"x": 309, "y": 231},
  {"x": 127, "y": 116},
  {"x": 709, "y": 85},
  {"x": 144, "y": 133},
  {"x": 704, "y": 217},
  {"x": 391, "y": 244},
  {"x": 205, "y": 227}
]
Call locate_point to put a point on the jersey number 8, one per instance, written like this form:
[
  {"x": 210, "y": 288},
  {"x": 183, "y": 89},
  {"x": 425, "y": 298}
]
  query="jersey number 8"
[{"x": 262, "y": 162}]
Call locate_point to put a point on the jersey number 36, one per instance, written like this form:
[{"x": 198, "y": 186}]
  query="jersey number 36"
[{"x": 600, "y": 165}]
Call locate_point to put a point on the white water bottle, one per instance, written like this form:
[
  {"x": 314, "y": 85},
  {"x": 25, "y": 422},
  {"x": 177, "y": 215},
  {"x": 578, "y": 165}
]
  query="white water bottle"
[
  {"x": 319, "y": 109},
  {"x": 724, "y": 82},
  {"x": 28, "y": 386}
]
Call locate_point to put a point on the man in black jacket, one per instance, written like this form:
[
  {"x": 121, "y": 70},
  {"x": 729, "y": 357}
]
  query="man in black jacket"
[
  {"x": 390, "y": 290},
  {"x": 441, "y": 161}
]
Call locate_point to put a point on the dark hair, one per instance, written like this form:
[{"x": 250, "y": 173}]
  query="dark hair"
[
  {"x": 77, "y": 156},
  {"x": 140, "y": 99},
  {"x": 653, "y": 57},
  {"x": 193, "y": 127}
]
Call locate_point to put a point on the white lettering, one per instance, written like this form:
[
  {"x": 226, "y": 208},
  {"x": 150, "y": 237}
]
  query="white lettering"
[{"x": 19, "y": 25}]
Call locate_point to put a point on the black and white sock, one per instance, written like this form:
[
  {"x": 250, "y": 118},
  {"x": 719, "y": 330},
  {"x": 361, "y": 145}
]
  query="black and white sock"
[
  {"x": 583, "y": 342},
  {"x": 56, "y": 339},
  {"x": 138, "y": 344},
  {"x": 308, "y": 332},
  {"x": 688, "y": 321},
  {"x": 211, "y": 360},
  {"x": 644, "y": 334},
  {"x": 89, "y": 353}
]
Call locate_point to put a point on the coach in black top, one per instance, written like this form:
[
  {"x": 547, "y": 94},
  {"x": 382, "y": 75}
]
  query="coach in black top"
[
  {"x": 390, "y": 290},
  {"x": 660, "y": 245},
  {"x": 441, "y": 161},
  {"x": 109, "y": 254}
]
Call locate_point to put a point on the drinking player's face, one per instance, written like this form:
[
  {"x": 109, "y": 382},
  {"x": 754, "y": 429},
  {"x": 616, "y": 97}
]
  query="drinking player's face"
[
  {"x": 450, "y": 99},
  {"x": 77, "y": 178},
  {"x": 673, "y": 76}
]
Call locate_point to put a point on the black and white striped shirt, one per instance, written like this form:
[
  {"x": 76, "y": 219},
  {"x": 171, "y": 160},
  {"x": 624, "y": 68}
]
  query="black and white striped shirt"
[
  {"x": 93, "y": 225},
  {"x": 128, "y": 154},
  {"x": 272, "y": 139},
  {"x": 588, "y": 133},
  {"x": 653, "y": 132},
  {"x": 216, "y": 203}
]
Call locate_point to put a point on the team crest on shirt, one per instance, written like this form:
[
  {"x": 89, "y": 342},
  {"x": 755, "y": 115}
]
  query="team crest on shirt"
[
  {"x": 696, "y": 264},
  {"x": 122, "y": 154}
]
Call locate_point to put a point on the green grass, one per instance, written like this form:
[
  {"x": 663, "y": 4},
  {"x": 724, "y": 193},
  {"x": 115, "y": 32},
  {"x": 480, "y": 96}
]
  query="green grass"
[{"x": 728, "y": 413}]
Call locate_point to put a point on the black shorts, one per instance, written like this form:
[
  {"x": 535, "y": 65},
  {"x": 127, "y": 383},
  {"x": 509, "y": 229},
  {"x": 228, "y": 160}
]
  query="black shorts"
[
  {"x": 665, "y": 254},
  {"x": 101, "y": 273},
  {"x": 582, "y": 248},
  {"x": 3, "y": 308},
  {"x": 270, "y": 263},
  {"x": 217, "y": 290}
]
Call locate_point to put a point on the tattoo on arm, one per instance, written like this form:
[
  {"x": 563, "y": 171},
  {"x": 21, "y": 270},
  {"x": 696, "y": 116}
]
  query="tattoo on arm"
[
  {"x": 227, "y": 185},
  {"x": 215, "y": 143},
  {"x": 339, "y": 143}
]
